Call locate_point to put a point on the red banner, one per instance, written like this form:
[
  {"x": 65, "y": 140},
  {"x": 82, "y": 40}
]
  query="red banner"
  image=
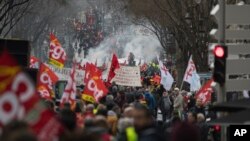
[
  {"x": 18, "y": 100},
  {"x": 205, "y": 93},
  {"x": 94, "y": 85},
  {"x": 57, "y": 55},
  {"x": 47, "y": 78}
]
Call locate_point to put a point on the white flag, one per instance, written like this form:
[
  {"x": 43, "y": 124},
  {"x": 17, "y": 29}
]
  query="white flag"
[
  {"x": 191, "y": 76},
  {"x": 166, "y": 78},
  {"x": 196, "y": 83}
]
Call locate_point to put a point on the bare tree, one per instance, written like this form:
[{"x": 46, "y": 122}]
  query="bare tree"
[
  {"x": 11, "y": 11},
  {"x": 189, "y": 21}
]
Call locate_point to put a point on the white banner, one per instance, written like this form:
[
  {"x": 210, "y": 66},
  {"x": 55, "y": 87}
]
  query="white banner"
[
  {"x": 128, "y": 76},
  {"x": 64, "y": 73}
]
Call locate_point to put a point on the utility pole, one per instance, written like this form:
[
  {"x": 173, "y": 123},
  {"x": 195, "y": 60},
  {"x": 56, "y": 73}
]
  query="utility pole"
[{"x": 221, "y": 30}]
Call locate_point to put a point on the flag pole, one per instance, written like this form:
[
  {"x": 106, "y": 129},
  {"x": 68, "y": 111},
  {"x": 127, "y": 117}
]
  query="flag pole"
[{"x": 181, "y": 85}]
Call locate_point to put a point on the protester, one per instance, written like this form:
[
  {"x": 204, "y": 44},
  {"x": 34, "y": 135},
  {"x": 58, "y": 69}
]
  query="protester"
[
  {"x": 178, "y": 102},
  {"x": 68, "y": 119},
  {"x": 145, "y": 125},
  {"x": 89, "y": 113},
  {"x": 120, "y": 99},
  {"x": 191, "y": 101},
  {"x": 128, "y": 112},
  {"x": 16, "y": 130},
  {"x": 198, "y": 108},
  {"x": 150, "y": 100},
  {"x": 112, "y": 120},
  {"x": 203, "y": 127},
  {"x": 165, "y": 106},
  {"x": 125, "y": 114},
  {"x": 185, "y": 132},
  {"x": 126, "y": 131},
  {"x": 192, "y": 118}
]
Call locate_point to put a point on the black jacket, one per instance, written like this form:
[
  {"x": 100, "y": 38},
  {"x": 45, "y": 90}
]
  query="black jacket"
[{"x": 150, "y": 133}]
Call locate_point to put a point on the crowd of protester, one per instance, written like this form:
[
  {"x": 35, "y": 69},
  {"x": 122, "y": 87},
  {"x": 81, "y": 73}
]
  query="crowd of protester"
[{"x": 147, "y": 113}]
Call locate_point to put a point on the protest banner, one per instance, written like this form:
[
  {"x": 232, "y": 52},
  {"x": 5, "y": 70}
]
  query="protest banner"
[
  {"x": 64, "y": 73},
  {"x": 128, "y": 76}
]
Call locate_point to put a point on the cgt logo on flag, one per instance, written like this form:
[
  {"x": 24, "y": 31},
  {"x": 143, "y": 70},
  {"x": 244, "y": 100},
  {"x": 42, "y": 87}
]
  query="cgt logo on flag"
[
  {"x": 46, "y": 79},
  {"x": 57, "y": 55},
  {"x": 18, "y": 100},
  {"x": 94, "y": 85},
  {"x": 17, "y": 95}
]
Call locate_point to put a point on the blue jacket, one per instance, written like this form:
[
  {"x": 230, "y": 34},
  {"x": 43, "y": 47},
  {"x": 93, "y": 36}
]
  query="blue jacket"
[{"x": 150, "y": 100}]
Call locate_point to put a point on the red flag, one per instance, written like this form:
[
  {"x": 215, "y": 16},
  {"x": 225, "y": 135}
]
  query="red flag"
[
  {"x": 91, "y": 69},
  {"x": 34, "y": 62},
  {"x": 157, "y": 79},
  {"x": 69, "y": 94},
  {"x": 18, "y": 100},
  {"x": 94, "y": 85},
  {"x": 114, "y": 65},
  {"x": 57, "y": 55},
  {"x": 205, "y": 93},
  {"x": 17, "y": 93},
  {"x": 47, "y": 78}
]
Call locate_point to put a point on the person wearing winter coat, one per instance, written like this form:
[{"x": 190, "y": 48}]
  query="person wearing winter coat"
[
  {"x": 178, "y": 102},
  {"x": 151, "y": 103},
  {"x": 165, "y": 106}
]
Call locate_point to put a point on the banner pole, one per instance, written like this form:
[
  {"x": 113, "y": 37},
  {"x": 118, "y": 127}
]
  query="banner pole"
[{"x": 181, "y": 85}]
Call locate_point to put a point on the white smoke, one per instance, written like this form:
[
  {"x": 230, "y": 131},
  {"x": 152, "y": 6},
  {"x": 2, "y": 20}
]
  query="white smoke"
[
  {"x": 144, "y": 47},
  {"x": 101, "y": 53}
]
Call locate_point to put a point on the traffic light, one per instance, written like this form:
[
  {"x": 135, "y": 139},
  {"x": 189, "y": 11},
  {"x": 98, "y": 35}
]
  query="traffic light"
[{"x": 220, "y": 56}]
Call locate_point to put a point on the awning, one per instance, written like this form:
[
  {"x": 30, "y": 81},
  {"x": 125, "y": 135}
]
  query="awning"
[{"x": 239, "y": 118}]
